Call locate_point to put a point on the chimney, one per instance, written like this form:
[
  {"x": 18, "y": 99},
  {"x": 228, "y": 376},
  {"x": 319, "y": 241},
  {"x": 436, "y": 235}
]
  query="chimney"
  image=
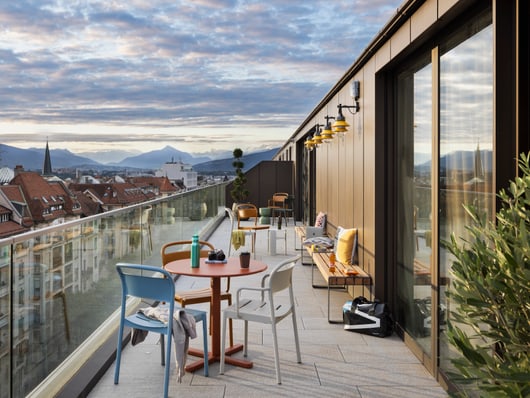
[{"x": 18, "y": 169}]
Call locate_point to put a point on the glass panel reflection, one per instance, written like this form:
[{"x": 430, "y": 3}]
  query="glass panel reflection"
[
  {"x": 414, "y": 201},
  {"x": 466, "y": 146},
  {"x": 65, "y": 284}
]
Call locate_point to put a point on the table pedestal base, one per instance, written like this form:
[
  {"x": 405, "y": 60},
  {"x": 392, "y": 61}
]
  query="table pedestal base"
[{"x": 192, "y": 367}]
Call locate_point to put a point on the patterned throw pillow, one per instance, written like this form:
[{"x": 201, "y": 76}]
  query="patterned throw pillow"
[
  {"x": 346, "y": 244},
  {"x": 321, "y": 220}
]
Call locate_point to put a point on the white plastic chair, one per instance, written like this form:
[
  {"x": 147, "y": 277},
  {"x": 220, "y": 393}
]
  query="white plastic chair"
[{"x": 265, "y": 310}]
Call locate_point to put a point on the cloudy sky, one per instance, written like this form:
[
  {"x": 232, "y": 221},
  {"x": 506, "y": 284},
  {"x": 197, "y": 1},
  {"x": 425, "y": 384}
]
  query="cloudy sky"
[{"x": 199, "y": 75}]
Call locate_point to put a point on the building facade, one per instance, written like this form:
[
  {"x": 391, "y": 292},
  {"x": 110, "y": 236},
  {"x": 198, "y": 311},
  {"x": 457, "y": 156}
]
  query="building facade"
[
  {"x": 178, "y": 171},
  {"x": 443, "y": 113}
]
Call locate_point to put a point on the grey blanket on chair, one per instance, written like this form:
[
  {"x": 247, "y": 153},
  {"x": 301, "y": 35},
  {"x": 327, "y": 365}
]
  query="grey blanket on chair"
[{"x": 183, "y": 330}]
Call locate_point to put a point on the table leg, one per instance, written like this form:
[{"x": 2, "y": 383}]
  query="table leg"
[
  {"x": 216, "y": 316},
  {"x": 215, "y": 345}
]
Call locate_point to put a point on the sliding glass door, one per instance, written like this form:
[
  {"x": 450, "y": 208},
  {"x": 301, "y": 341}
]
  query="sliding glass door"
[
  {"x": 444, "y": 160},
  {"x": 414, "y": 197},
  {"x": 466, "y": 147}
]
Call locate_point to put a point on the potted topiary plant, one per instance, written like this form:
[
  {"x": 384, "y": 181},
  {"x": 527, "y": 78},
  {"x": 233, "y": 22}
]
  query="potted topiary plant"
[{"x": 239, "y": 191}]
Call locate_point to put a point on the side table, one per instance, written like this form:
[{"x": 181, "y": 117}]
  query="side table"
[{"x": 274, "y": 234}]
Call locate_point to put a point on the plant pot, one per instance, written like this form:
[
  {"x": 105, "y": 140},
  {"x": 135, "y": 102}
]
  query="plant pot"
[
  {"x": 234, "y": 209},
  {"x": 198, "y": 211},
  {"x": 244, "y": 260}
]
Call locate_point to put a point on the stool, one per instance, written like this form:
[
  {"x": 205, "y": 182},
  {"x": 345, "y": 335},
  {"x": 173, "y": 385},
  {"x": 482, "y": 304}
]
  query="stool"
[{"x": 265, "y": 214}]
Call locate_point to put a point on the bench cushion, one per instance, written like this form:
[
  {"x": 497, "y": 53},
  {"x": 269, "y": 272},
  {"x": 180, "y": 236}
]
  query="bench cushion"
[{"x": 346, "y": 244}]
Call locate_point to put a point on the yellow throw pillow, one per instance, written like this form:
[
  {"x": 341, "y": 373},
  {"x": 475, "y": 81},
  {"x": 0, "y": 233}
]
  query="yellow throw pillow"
[{"x": 346, "y": 244}]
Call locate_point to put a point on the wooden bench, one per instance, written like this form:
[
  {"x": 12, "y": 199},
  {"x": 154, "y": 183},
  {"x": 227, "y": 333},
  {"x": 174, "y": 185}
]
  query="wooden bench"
[
  {"x": 343, "y": 275},
  {"x": 301, "y": 233}
]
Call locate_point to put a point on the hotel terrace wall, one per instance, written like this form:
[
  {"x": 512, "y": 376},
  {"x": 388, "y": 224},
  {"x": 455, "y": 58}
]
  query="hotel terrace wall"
[
  {"x": 346, "y": 166},
  {"x": 354, "y": 179}
]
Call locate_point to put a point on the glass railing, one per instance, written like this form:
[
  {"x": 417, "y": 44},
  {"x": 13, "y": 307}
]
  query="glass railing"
[{"x": 59, "y": 284}]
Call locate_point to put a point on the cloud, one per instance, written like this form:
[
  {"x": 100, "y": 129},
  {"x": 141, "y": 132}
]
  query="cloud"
[{"x": 159, "y": 63}]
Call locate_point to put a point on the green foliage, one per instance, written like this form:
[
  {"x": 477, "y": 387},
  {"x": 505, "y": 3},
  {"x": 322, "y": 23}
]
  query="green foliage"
[
  {"x": 239, "y": 193},
  {"x": 491, "y": 289}
]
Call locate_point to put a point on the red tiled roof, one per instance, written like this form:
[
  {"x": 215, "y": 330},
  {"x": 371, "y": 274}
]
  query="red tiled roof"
[
  {"x": 114, "y": 194},
  {"x": 13, "y": 193},
  {"x": 162, "y": 184},
  {"x": 10, "y": 228},
  {"x": 71, "y": 204},
  {"x": 40, "y": 195},
  {"x": 88, "y": 206},
  {"x": 15, "y": 196}
]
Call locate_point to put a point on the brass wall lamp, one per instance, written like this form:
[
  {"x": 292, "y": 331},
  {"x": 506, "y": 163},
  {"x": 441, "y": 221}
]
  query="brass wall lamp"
[
  {"x": 317, "y": 138},
  {"x": 341, "y": 125},
  {"x": 328, "y": 133}
]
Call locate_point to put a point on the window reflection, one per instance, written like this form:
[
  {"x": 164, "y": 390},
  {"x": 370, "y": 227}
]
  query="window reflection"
[
  {"x": 466, "y": 146},
  {"x": 464, "y": 141},
  {"x": 414, "y": 201}
]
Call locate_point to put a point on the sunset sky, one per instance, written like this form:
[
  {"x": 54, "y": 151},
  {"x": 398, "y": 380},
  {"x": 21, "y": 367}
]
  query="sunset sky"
[{"x": 98, "y": 76}]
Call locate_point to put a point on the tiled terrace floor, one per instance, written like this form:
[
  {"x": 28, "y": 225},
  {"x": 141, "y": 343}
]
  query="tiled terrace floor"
[{"x": 335, "y": 362}]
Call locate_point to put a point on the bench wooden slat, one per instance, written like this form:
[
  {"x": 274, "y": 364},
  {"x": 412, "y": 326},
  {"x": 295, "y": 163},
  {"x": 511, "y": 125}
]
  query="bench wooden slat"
[
  {"x": 300, "y": 231},
  {"x": 340, "y": 276}
]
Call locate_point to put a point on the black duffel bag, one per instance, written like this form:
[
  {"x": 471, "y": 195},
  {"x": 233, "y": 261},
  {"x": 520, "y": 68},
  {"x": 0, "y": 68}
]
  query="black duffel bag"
[{"x": 369, "y": 317}]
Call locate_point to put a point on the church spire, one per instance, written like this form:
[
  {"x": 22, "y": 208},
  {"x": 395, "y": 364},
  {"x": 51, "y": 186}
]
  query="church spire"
[{"x": 47, "y": 168}]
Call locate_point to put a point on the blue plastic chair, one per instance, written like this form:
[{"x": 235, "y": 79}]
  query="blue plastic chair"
[{"x": 141, "y": 281}]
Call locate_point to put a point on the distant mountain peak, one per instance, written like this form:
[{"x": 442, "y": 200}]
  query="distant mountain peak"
[{"x": 33, "y": 159}]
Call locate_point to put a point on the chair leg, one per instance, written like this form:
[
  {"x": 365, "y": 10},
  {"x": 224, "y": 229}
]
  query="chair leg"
[
  {"x": 168, "y": 366},
  {"x": 223, "y": 345},
  {"x": 245, "y": 347},
  {"x": 296, "y": 340},
  {"x": 276, "y": 354},
  {"x": 230, "y": 328},
  {"x": 118, "y": 355},
  {"x": 205, "y": 344},
  {"x": 162, "y": 351}
]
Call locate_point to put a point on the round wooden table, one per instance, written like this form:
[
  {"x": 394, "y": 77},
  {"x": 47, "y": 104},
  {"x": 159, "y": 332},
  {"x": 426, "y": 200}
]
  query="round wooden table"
[{"x": 215, "y": 272}]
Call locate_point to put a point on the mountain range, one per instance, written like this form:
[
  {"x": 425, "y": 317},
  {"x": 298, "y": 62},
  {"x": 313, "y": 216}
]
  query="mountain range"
[{"x": 33, "y": 159}]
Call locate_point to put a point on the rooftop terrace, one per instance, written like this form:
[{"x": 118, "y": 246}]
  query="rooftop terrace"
[{"x": 335, "y": 362}]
